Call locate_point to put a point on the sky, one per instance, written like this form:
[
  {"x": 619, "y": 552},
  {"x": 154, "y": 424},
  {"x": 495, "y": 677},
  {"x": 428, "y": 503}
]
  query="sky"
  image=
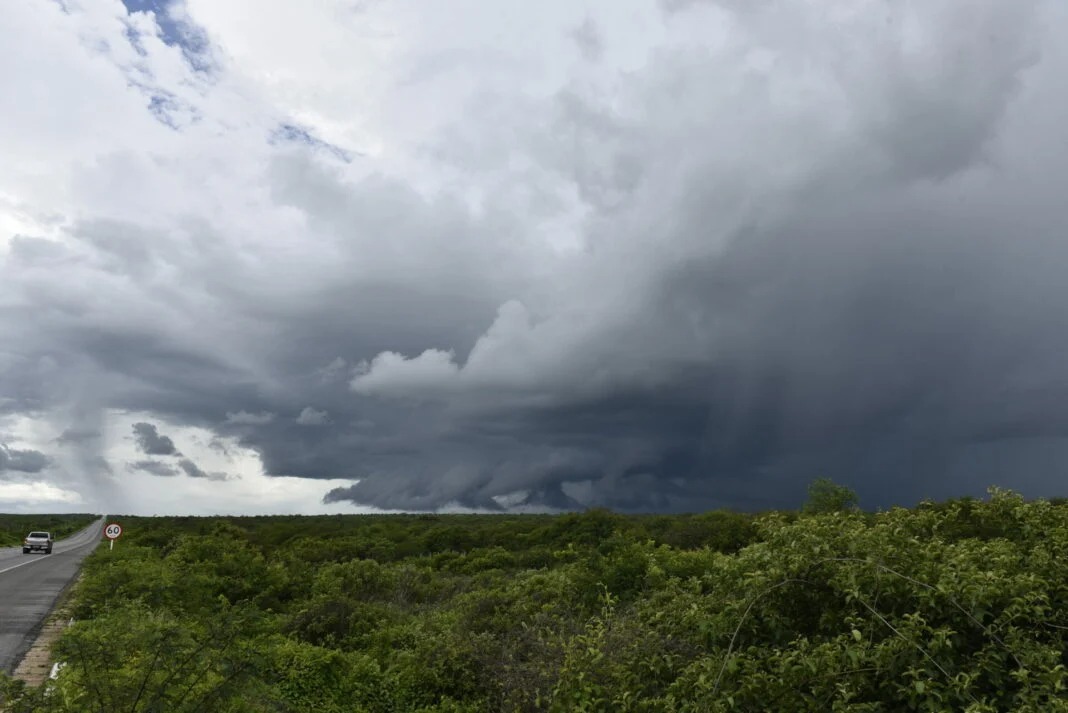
[{"x": 259, "y": 256}]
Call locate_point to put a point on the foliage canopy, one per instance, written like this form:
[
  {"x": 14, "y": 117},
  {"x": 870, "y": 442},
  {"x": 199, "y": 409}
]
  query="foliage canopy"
[{"x": 955, "y": 606}]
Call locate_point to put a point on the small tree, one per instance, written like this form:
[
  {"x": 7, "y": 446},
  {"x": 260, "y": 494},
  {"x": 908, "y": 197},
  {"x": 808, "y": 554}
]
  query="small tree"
[{"x": 824, "y": 495}]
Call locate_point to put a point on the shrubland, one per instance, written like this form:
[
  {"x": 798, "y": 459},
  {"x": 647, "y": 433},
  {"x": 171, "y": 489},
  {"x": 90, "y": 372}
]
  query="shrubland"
[{"x": 952, "y": 606}]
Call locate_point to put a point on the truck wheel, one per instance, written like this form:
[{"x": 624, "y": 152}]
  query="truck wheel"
[{"x": 25, "y": 550}]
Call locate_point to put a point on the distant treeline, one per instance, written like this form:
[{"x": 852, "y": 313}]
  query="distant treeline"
[
  {"x": 13, "y": 528},
  {"x": 953, "y": 606}
]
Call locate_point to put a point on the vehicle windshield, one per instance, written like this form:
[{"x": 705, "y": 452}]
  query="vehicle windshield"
[{"x": 39, "y": 534}]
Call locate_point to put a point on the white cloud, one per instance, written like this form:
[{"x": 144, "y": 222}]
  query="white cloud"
[
  {"x": 422, "y": 375},
  {"x": 36, "y": 494},
  {"x": 313, "y": 417},
  {"x": 244, "y": 418}
]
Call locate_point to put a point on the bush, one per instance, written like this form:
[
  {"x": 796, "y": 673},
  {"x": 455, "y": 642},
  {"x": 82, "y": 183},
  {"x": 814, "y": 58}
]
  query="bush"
[
  {"x": 961, "y": 605},
  {"x": 824, "y": 496}
]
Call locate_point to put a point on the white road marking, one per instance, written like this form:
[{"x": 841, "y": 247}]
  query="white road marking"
[
  {"x": 45, "y": 557},
  {"x": 22, "y": 564}
]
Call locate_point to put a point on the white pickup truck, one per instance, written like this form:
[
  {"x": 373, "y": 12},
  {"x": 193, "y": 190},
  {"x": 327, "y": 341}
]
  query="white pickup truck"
[{"x": 37, "y": 541}]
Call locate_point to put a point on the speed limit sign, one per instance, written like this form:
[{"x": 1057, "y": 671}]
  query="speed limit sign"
[{"x": 113, "y": 531}]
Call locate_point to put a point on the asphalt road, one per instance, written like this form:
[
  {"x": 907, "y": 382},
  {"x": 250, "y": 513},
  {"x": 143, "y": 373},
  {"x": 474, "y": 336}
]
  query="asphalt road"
[{"x": 30, "y": 585}]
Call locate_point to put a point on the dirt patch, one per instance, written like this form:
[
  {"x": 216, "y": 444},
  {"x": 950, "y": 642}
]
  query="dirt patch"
[{"x": 36, "y": 665}]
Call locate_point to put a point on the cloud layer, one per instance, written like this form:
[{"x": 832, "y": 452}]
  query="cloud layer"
[
  {"x": 22, "y": 461},
  {"x": 151, "y": 442},
  {"x": 688, "y": 255}
]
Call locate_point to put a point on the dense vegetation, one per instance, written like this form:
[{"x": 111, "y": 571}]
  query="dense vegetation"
[
  {"x": 13, "y": 528},
  {"x": 956, "y": 606}
]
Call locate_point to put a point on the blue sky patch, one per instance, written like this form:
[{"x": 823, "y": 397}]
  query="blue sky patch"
[
  {"x": 291, "y": 133},
  {"x": 177, "y": 31}
]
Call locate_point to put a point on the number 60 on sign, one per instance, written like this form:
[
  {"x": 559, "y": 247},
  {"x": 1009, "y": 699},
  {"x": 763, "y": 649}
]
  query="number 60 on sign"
[{"x": 112, "y": 532}]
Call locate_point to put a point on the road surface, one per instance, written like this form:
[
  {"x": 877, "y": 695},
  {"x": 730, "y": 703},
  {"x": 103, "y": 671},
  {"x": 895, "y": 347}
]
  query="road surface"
[{"x": 30, "y": 585}]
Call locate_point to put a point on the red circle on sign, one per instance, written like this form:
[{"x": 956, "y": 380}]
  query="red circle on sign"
[{"x": 112, "y": 531}]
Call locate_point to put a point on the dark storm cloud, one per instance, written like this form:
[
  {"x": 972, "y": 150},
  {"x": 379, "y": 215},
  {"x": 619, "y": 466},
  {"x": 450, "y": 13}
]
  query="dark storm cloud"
[
  {"x": 853, "y": 271},
  {"x": 881, "y": 346},
  {"x": 633, "y": 451},
  {"x": 75, "y": 435},
  {"x": 154, "y": 467},
  {"x": 194, "y": 471},
  {"x": 894, "y": 317},
  {"x": 874, "y": 334},
  {"x": 151, "y": 442},
  {"x": 23, "y": 461}
]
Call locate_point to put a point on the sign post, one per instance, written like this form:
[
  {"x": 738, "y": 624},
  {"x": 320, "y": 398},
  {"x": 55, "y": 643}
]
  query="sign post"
[{"x": 112, "y": 532}]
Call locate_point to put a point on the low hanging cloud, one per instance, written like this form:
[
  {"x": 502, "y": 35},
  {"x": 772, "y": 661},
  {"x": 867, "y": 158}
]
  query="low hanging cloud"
[
  {"x": 151, "y": 442},
  {"x": 684, "y": 254},
  {"x": 22, "y": 461},
  {"x": 154, "y": 467},
  {"x": 194, "y": 471},
  {"x": 75, "y": 435}
]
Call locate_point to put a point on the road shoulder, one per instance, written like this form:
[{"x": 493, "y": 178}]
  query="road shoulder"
[{"x": 36, "y": 664}]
